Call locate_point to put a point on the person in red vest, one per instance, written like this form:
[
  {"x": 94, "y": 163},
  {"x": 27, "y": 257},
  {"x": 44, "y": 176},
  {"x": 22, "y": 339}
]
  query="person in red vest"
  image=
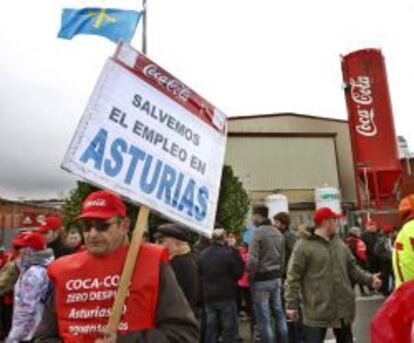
[{"x": 85, "y": 284}]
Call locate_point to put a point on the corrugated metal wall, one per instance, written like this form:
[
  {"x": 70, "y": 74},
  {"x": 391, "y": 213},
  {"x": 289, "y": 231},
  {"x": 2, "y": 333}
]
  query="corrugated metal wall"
[
  {"x": 291, "y": 123},
  {"x": 269, "y": 163}
]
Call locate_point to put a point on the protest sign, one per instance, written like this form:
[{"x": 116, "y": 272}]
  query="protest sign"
[{"x": 152, "y": 139}]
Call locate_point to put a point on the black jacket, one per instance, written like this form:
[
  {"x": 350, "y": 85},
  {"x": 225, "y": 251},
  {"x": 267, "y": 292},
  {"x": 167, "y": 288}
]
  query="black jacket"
[
  {"x": 220, "y": 268},
  {"x": 186, "y": 272},
  {"x": 370, "y": 239},
  {"x": 59, "y": 248}
]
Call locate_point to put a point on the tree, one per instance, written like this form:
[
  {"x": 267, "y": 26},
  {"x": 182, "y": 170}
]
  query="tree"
[
  {"x": 73, "y": 204},
  {"x": 231, "y": 212},
  {"x": 233, "y": 202}
]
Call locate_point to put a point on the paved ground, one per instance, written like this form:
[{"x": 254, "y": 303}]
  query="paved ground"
[{"x": 366, "y": 308}]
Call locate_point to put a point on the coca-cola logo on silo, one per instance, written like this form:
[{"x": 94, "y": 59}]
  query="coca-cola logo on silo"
[{"x": 361, "y": 94}]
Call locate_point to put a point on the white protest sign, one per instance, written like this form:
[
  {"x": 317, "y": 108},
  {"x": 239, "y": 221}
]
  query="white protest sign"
[{"x": 150, "y": 138}]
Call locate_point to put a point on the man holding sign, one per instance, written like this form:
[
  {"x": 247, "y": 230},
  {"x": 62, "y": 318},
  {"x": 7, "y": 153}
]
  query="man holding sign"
[
  {"x": 85, "y": 285},
  {"x": 150, "y": 138}
]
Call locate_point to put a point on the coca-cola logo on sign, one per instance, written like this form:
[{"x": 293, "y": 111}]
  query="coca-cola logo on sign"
[
  {"x": 361, "y": 94},
  {"x": 172, "y": 85}
]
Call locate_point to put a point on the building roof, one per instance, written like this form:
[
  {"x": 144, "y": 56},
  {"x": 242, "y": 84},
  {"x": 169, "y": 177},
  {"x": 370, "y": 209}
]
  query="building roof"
[
  {"x": 52, "y": 204},
  {"x": 288, "y": 114}
]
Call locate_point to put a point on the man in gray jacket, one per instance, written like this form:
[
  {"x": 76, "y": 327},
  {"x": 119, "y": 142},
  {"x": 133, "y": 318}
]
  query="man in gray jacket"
[{"x": 265, "y": 269}]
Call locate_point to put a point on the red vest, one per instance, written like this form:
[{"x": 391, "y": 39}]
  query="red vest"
[{"x": 85, "y": 286}]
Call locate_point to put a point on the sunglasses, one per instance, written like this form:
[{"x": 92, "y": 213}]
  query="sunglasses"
[{"x": 99, "y": 225}]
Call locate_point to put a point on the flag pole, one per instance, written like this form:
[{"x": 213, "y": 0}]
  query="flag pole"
[{"x": 144, "y": 26}]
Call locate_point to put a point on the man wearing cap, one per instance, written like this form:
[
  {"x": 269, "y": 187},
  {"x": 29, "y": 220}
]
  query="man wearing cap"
[
  {"x": 51, "y": 229},
  {"x": 85, "y": 284},
  {"x": 320, "y": 272},
  {"x": 403, "y": 253},
  {"x": 31, "y": 287},
  {"x": 176, "y": 239}
]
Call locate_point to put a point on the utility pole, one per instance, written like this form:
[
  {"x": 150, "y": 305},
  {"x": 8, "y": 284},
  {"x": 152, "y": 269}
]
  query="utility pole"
[{"x": 144, "y": 27}]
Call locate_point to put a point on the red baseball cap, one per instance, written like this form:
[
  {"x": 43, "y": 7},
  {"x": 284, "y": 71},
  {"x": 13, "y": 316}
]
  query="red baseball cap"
[
  {"x": 32, "y": 240},
  {"x": 51, "y": 223},
  {"x": 387, "y": 228},
  {"x": 372, "y": 223},
  {"x": 18, "y": 240},
  {"x": 102, "y": 205},
  {"x": 323, "y": 214},
  {"x": 42, "y": 230}
]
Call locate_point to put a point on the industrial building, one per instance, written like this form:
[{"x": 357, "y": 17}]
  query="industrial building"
[
  {"x": 295, "y": 155},
  {"x": 292, "y": 154}
]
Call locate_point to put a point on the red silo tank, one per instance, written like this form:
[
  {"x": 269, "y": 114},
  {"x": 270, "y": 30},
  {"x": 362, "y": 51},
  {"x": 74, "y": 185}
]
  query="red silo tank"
[{"x": 371, "y": 124}]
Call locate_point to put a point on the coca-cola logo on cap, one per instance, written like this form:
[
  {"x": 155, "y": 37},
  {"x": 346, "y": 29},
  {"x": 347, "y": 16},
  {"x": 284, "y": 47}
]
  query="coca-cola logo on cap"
[
  {"x": 172, "y": 85},
  {"x": 95, "y": 203},
  {"x": 361, "y": 94}
]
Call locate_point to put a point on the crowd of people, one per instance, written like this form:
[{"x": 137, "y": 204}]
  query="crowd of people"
[{"x": 58, "y": 285}]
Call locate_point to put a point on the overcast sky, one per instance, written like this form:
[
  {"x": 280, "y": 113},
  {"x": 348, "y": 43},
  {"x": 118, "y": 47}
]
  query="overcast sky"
[{"x": 246, "y": 57}]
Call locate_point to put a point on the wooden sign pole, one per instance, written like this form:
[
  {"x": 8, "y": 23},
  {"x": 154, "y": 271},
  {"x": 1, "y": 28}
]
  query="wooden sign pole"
[{"x": 128, "y": 269}]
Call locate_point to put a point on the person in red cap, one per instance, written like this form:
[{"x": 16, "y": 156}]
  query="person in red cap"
[
  {"x": 320, "y": 273},
  {"x": 9, "y": 274},
  {"x": 51, "y": 229},
  {"x": 31, "y": 287},
  {"x": 85, "y": 284}
]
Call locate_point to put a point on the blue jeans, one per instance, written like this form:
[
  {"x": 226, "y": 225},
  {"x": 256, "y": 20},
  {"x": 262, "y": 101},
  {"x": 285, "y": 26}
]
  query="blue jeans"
[
  {"x": 224, "y": 312},
  {"x": 266, "y": 295}
]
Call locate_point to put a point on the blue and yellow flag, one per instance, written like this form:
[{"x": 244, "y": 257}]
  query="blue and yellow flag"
[{"x": 114, "y": 24}]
